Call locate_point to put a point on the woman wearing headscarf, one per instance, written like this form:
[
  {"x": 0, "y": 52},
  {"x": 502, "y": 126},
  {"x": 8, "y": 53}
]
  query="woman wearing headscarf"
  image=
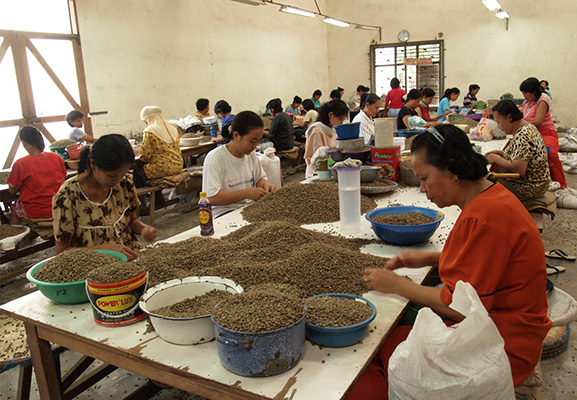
[{"x": 160, "y": 150}]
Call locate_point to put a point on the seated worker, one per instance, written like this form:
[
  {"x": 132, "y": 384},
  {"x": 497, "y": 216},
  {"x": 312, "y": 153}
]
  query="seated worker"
[
  {"x": 224, "y": 114},
  {"x": 37, "y": 177},
  {"x": 451, "y": 94},
  {"x": 335, "y": 94},
  {"x": 310, "y": 118},
  {"x": 281, "y": 132},
  {"x": 316, "y": 99},
  {"x": 202, "y": 109},
  {"x": 370, "y": 105},
  {"x": 97, "y": 208},
  {"x": 295, "y": 107},
  {"x": 356, "y": 100},
  {"x": 410, "y": 109},
  {"x": 423, "y": 110},
  {"x": 510, "y": 279},
  {"x": 471, "y": 97},
  {"x": 525, "y": 154},
  {"x": 74, "y": 119},
  {"x": 232, "y": 173},
  {"x": 160, "y": 154},
  {"x": 322, "y": 133}
]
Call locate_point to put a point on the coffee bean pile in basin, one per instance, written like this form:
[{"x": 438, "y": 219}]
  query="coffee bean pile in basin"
[
  {"x": 193, "y": 307},
  {"x": 258, "y": 311},
  {"x": 331, "y": 311},
  {"x": 7, "y": 231},
  {"x": 410, "y": 218},
  {"x": 265, "y": 253},
  {"x": 115, "y": 272},
  {"x": 72, "y": 265},
  {"x": 63, "y": 142},
  {"x": 297, "y": 203}
]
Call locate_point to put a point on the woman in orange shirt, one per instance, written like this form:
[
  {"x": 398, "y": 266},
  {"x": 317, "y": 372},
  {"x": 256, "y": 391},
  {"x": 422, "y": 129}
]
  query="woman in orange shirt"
[{"x": 494, "y": 245}]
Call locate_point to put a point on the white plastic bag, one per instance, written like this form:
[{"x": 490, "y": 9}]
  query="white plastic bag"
[
  {"x": 445, "y": 363},
  {"x": 569, "y": 142}
]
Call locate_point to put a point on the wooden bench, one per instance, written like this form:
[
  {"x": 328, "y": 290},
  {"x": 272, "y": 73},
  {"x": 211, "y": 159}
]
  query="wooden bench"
[
  {"x": 193, "y": 183},
  {"x": 292, "y": 161}
]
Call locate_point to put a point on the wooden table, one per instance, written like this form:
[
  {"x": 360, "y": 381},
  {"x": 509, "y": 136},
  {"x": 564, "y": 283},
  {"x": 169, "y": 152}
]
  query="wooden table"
[{"x": 326, "y": 373}]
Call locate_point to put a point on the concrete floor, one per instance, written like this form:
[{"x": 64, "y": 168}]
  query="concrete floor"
[{"x": 560, "y": 381}]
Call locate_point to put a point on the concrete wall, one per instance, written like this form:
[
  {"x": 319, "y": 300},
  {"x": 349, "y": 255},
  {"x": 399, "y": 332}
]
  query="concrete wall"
[
  {"x": 478, "y": 48},
  {"x": 170, "y": 53}
]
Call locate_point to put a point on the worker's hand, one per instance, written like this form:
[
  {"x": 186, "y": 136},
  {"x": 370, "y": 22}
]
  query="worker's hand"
[
  {"x": 148, "y": 233},
  {"x": 409, "y": 259},
  {"x": 269, "y": 187},
  {"x": 449, "y": 111},
  {"x": 493, "y": 158},
  {"x": 256, "y": 193},
  {"x": 127, "y": 251},
  {"x": 381, "y": 280}
]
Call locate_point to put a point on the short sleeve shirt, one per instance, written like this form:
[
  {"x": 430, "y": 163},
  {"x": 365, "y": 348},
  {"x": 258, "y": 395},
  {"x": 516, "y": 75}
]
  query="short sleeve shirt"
[
  {"x": 283, "y": 133},
  {"x": 161, "y": 158},
  {"x": 76, "y": 134},
  {"x": 82, "y": 222},
  {"x": 527, "y": 145},
  {"x": 404, "y": 112}
]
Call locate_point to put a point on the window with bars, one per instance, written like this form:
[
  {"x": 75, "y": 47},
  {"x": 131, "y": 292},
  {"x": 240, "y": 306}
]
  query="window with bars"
[{"x": 417, "y": 65}]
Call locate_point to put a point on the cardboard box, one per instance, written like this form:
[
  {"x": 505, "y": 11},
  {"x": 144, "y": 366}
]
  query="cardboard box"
[{"x": 389, "y": 159}]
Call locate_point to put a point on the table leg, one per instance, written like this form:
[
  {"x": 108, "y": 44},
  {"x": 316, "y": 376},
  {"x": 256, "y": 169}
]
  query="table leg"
[{"x": 44, "y": 365}]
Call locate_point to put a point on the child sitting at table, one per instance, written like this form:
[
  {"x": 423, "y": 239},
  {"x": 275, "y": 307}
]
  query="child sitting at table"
[
  {"x": 36, "y": 176},
  {"x": 74, "y": 119},
  {"x": 232, "y": 173}
]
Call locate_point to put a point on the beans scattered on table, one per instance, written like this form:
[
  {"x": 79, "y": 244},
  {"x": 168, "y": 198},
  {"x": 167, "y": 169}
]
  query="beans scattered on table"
[
  {"x": 63, "y": 142},
  {"x": 195, "y": 306},
  {"x": 72, "y": 265},
  {"x": 410, "y": 218},
  {"x": 7, "y": 231},
  {"x": 267, "y": 252},
  {"x": 4, "y": 177},
  {"x": 256, "y": 312},
  {"x": 331, "y": 311},
  {"x": 300, "y": 204},
  {"x": 13, "y": 334},
  {"x": 114, "y": 272}
]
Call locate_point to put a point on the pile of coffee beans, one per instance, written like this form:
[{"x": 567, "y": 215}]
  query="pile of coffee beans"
[
  {"x": 194, "y": 307},
  {"x": 63, "y": 142},
  {"x": 115, "y": 272},
  {"x": 72, "y": 265},
  {"x": 7, "y": 231},
  {"x": 410, "y": 218}
]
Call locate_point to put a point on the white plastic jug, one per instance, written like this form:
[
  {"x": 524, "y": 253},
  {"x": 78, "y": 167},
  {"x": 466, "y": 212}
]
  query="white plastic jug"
[
  {"x": 350, "y": 199},
  {"x": 271, "y": 165}
]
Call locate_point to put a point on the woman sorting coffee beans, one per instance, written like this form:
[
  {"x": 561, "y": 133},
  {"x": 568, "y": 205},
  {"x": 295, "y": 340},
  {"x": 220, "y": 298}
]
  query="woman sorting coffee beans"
[{"x": 97, "y": 208}]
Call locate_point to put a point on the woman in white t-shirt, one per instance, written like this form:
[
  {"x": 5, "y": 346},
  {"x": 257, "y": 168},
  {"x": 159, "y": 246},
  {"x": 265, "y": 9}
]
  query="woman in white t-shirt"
[{"x": 232, "y": 173}]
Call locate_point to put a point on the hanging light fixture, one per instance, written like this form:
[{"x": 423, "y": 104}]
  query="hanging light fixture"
[
  {"x": 297, "y": 11},
  {"x": 251, "y": 2},
  {"x": 502, "y": 14},
  {"x": 336, "y": 22},
  {"x": 492, "y": 5}
]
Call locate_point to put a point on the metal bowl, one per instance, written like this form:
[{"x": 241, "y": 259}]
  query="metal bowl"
[
  {"x": 369, "y": 173},
  {"x": 343, "y": 335},
  {"x": 338, "y": 155},
  {"x": 193, "y": 330}
]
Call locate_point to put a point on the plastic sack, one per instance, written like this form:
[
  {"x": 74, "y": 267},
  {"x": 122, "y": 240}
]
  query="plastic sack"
[
  {"x": 569, "y": 142},
  {"x": 562, "y": 307},
  {"x": 416, "y": 121},
  {"x": 465, "y": 361},
  {"x": 10, "y": 243}
]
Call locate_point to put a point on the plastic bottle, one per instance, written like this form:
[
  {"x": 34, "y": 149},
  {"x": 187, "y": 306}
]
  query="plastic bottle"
[
  {"x": 205, "y": 214},
  {"x": 271, "y": 165}
]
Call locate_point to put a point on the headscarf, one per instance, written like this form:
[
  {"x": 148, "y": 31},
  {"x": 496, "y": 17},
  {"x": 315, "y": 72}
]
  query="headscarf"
[{"x": 157, "y": 125}]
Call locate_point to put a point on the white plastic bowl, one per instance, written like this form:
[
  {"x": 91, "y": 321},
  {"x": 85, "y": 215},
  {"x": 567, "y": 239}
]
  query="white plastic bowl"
[
  {"x": 184, "y": 330},
  {"x": 193, "y": 141},
  {"x": 10, "y": 243}
]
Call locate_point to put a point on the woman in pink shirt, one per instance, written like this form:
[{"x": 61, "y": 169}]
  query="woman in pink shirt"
[
  {"x": 394, "y": 100},
  {"x": 537, "y": 111}
]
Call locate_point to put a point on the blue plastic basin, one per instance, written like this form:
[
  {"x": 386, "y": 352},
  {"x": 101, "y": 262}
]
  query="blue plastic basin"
[
  {"x": 407, "y": 133},
  {"x": 401, "y": 234},
  {"x": 348, "y": 131},
  {"x": 343, "y": 335}
]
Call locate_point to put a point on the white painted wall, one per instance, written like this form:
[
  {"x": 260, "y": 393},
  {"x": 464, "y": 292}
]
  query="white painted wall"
[
  {"x": 478, "y": 49},
  {"x": 170, "y": 53}
]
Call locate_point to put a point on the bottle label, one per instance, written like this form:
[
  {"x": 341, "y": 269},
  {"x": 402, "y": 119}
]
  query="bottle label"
[{"x": 204, "y": 217}]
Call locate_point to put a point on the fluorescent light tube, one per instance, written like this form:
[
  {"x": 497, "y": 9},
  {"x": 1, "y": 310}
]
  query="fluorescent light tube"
[
  {"x": 502, "y": 14},
  {"x": 336, "y": 22},
  {"x": 492, "y": 5},
  {"x": 296, "y": 11},
  {"x": 250, "y": 2}
]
